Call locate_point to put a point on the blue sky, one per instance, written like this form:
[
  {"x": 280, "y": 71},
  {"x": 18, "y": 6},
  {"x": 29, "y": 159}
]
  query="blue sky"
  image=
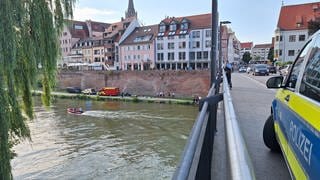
[{"x": 252, "y": 20}]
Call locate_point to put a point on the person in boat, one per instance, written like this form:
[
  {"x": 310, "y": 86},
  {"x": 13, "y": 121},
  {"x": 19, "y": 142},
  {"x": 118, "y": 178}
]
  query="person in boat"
[{"x": 75, "y": 110}]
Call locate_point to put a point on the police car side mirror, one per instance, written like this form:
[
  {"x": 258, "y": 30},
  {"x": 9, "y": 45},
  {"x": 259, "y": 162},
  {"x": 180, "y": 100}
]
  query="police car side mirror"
[{"x": 275, "y": 82}]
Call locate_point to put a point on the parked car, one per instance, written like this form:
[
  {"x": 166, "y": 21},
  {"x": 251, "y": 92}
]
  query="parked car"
[
  {"x": 260, "y": 69},
  {"x": 272, "y": 69},
  {"x": 293, "y": 126},
  {"x": 125, "y": 94},
  {"x": 285, "y": 70},
  {"x": 89, "y": 91},
  {"x": 73, "y": 90},
  {"x": 242, "y": 69}
]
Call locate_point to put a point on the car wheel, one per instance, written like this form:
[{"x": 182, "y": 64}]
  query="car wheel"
[{"x": 269, "y": 136}]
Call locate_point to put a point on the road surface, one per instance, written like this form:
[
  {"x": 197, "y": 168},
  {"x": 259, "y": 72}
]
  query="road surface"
[{"x": 252, "y": 101}]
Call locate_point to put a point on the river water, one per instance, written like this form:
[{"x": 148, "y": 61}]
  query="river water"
[{"x": 111, "y": 140}]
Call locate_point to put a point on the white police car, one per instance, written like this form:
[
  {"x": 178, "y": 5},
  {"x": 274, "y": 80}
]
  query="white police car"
[{"x": 294, "y": 124}]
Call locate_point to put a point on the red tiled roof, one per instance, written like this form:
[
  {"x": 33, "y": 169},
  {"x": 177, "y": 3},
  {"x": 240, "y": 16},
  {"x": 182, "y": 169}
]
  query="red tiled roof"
[
  {"x": 142, "y": 31},
  {"x": 77, "y": 33},
  {"x": 295, "y": 17},
  {"x": 246, "y": 45},
  {"x": 99, "y": 26},
  {"x": 196, "y": 21}
]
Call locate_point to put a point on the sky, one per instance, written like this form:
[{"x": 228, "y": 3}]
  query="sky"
[{"x": 251, "y": 20}]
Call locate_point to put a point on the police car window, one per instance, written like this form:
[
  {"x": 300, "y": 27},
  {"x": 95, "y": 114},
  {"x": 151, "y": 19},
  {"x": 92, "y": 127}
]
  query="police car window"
[
  {"x": 295, "y": 69},
  {"x": 310, "y": 84}
]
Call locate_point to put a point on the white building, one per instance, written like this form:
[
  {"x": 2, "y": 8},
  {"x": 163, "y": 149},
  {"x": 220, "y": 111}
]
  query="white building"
[
  {"x": 184, "y": 42},
  {"x": 260, "y": 52},
  {"x": 292, "y": 29}
]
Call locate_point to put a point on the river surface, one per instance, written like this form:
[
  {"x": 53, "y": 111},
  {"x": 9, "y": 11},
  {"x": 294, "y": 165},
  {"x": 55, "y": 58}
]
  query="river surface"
[{"x": 111, "y": 140}]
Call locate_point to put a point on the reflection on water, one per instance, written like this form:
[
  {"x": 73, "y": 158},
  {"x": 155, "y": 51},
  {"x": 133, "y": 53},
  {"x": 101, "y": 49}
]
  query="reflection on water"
[{"x": 110, "y": 140}]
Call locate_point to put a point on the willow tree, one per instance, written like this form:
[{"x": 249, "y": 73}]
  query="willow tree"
[{"x": 29, "y": 31}]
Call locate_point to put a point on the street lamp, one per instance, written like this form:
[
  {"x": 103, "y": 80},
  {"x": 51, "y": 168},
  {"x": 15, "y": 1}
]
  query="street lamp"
[{"x": 220, "y": 47}]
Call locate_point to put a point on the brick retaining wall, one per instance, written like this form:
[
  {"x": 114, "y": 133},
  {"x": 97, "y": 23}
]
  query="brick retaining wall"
[{"x": 182, "y": 83}]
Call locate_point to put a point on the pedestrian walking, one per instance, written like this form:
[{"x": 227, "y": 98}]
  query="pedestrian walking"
[{"x": 228, "y": 69}]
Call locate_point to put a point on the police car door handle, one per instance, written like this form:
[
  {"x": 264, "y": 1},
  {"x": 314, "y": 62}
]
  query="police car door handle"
[{"x": 287, "y": 98}]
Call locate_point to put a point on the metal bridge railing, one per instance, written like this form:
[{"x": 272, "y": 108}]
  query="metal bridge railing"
[
  {"x": 196, "y": 159},
  {"x": 239, "y": 160}
]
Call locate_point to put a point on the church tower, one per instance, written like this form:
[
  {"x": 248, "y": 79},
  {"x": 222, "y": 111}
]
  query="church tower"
[{"x": 131, "y": 11}]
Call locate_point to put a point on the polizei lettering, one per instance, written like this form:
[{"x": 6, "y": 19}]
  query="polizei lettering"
[{"x": 303, "y": 144}]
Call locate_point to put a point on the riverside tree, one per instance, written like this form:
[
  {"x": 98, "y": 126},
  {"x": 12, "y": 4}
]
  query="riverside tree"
[{"x": 29, "y": 49}]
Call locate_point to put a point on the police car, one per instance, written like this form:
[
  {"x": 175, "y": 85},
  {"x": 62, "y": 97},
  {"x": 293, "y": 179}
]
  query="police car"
[{"x": 294, "y": 124}]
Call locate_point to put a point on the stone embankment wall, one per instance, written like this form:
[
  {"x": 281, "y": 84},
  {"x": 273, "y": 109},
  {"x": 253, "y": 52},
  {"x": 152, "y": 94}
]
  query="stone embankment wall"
[{"x": 149, "y": 83}]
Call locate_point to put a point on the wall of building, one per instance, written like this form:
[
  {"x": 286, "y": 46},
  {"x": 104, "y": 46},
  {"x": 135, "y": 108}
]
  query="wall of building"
[
  {"x": 285, "y": 45},
  {"x": 182, "y": 83}
]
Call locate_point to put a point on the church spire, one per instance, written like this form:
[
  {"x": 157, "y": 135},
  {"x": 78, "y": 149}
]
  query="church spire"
[{"x": 131, "y": 11}]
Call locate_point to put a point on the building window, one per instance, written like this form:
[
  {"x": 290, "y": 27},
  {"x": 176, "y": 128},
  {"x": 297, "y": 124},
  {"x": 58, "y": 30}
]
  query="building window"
[
  {"x": 96, "y": 52},
  {"x": 196, "y": 34},
  {"x": 302, "y": 37},
  {"x": 184, "y": 26},
  {"x": 160, "y": 56},
  {"x": 280, "y": 52},
  {"x": 196, "y": 44},
  {"x": 291, "y": 53},
  {"x": 280, "y": 38},
  {"x": 78, "y": 27},
  {"x": 205, "y": 55},
  {"x": 170, "y": 45},
  {"x": 292, "y": 38},
  {"x": 171, "y": 56},
  {"x": 182, "y": 55},
  {"x": 191, "y": 55},
  {"x": 183, "y": 36},
  {"x": 277, "y": 38},
  {"x": 199, "y": 55},
  {"x": 208, "y": 33},
  {"x": 182, "y": 45},
  {"x": 162, "y": 28},
  {"x": 173, "y": 27}
]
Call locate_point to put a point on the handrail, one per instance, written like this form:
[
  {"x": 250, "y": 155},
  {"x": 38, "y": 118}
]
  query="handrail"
[
  {"x": 183, "y": 172},
  {"x": 238, "y": 156}
]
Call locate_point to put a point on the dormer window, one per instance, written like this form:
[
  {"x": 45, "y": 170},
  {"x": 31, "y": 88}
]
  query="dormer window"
[
  {"x": 78, "y": 27},
  {"x": 173, "y": 27},
  {"x": 184, "y": 24},
  {"x": 162, "y": 28}
]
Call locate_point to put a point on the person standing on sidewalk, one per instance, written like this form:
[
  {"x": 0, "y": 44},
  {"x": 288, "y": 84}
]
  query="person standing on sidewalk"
[{"x": 228, "y": 69}]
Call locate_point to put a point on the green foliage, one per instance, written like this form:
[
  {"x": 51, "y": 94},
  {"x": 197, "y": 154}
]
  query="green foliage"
[
  {"x": 246, "y": 57},
  {"x": 135, "y": 99},
  {"x": 271, "y": 54},
  {"x": 313, "y": 26},
  {"x": 29, "y": 32}
]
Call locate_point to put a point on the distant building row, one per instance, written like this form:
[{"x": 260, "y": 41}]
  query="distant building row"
[{"x": 174, "y": 43}]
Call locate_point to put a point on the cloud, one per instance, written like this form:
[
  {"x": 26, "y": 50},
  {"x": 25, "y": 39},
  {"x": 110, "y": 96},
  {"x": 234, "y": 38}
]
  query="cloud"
[{"x": 102, "y": 15}]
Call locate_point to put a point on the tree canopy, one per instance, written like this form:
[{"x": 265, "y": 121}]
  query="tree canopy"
[
  {"x": 271, "y": 54},
  {"x": 29, "y": 48},
  {"x": 313, "y": 26},
  {"x": 246, "y": 57}
]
